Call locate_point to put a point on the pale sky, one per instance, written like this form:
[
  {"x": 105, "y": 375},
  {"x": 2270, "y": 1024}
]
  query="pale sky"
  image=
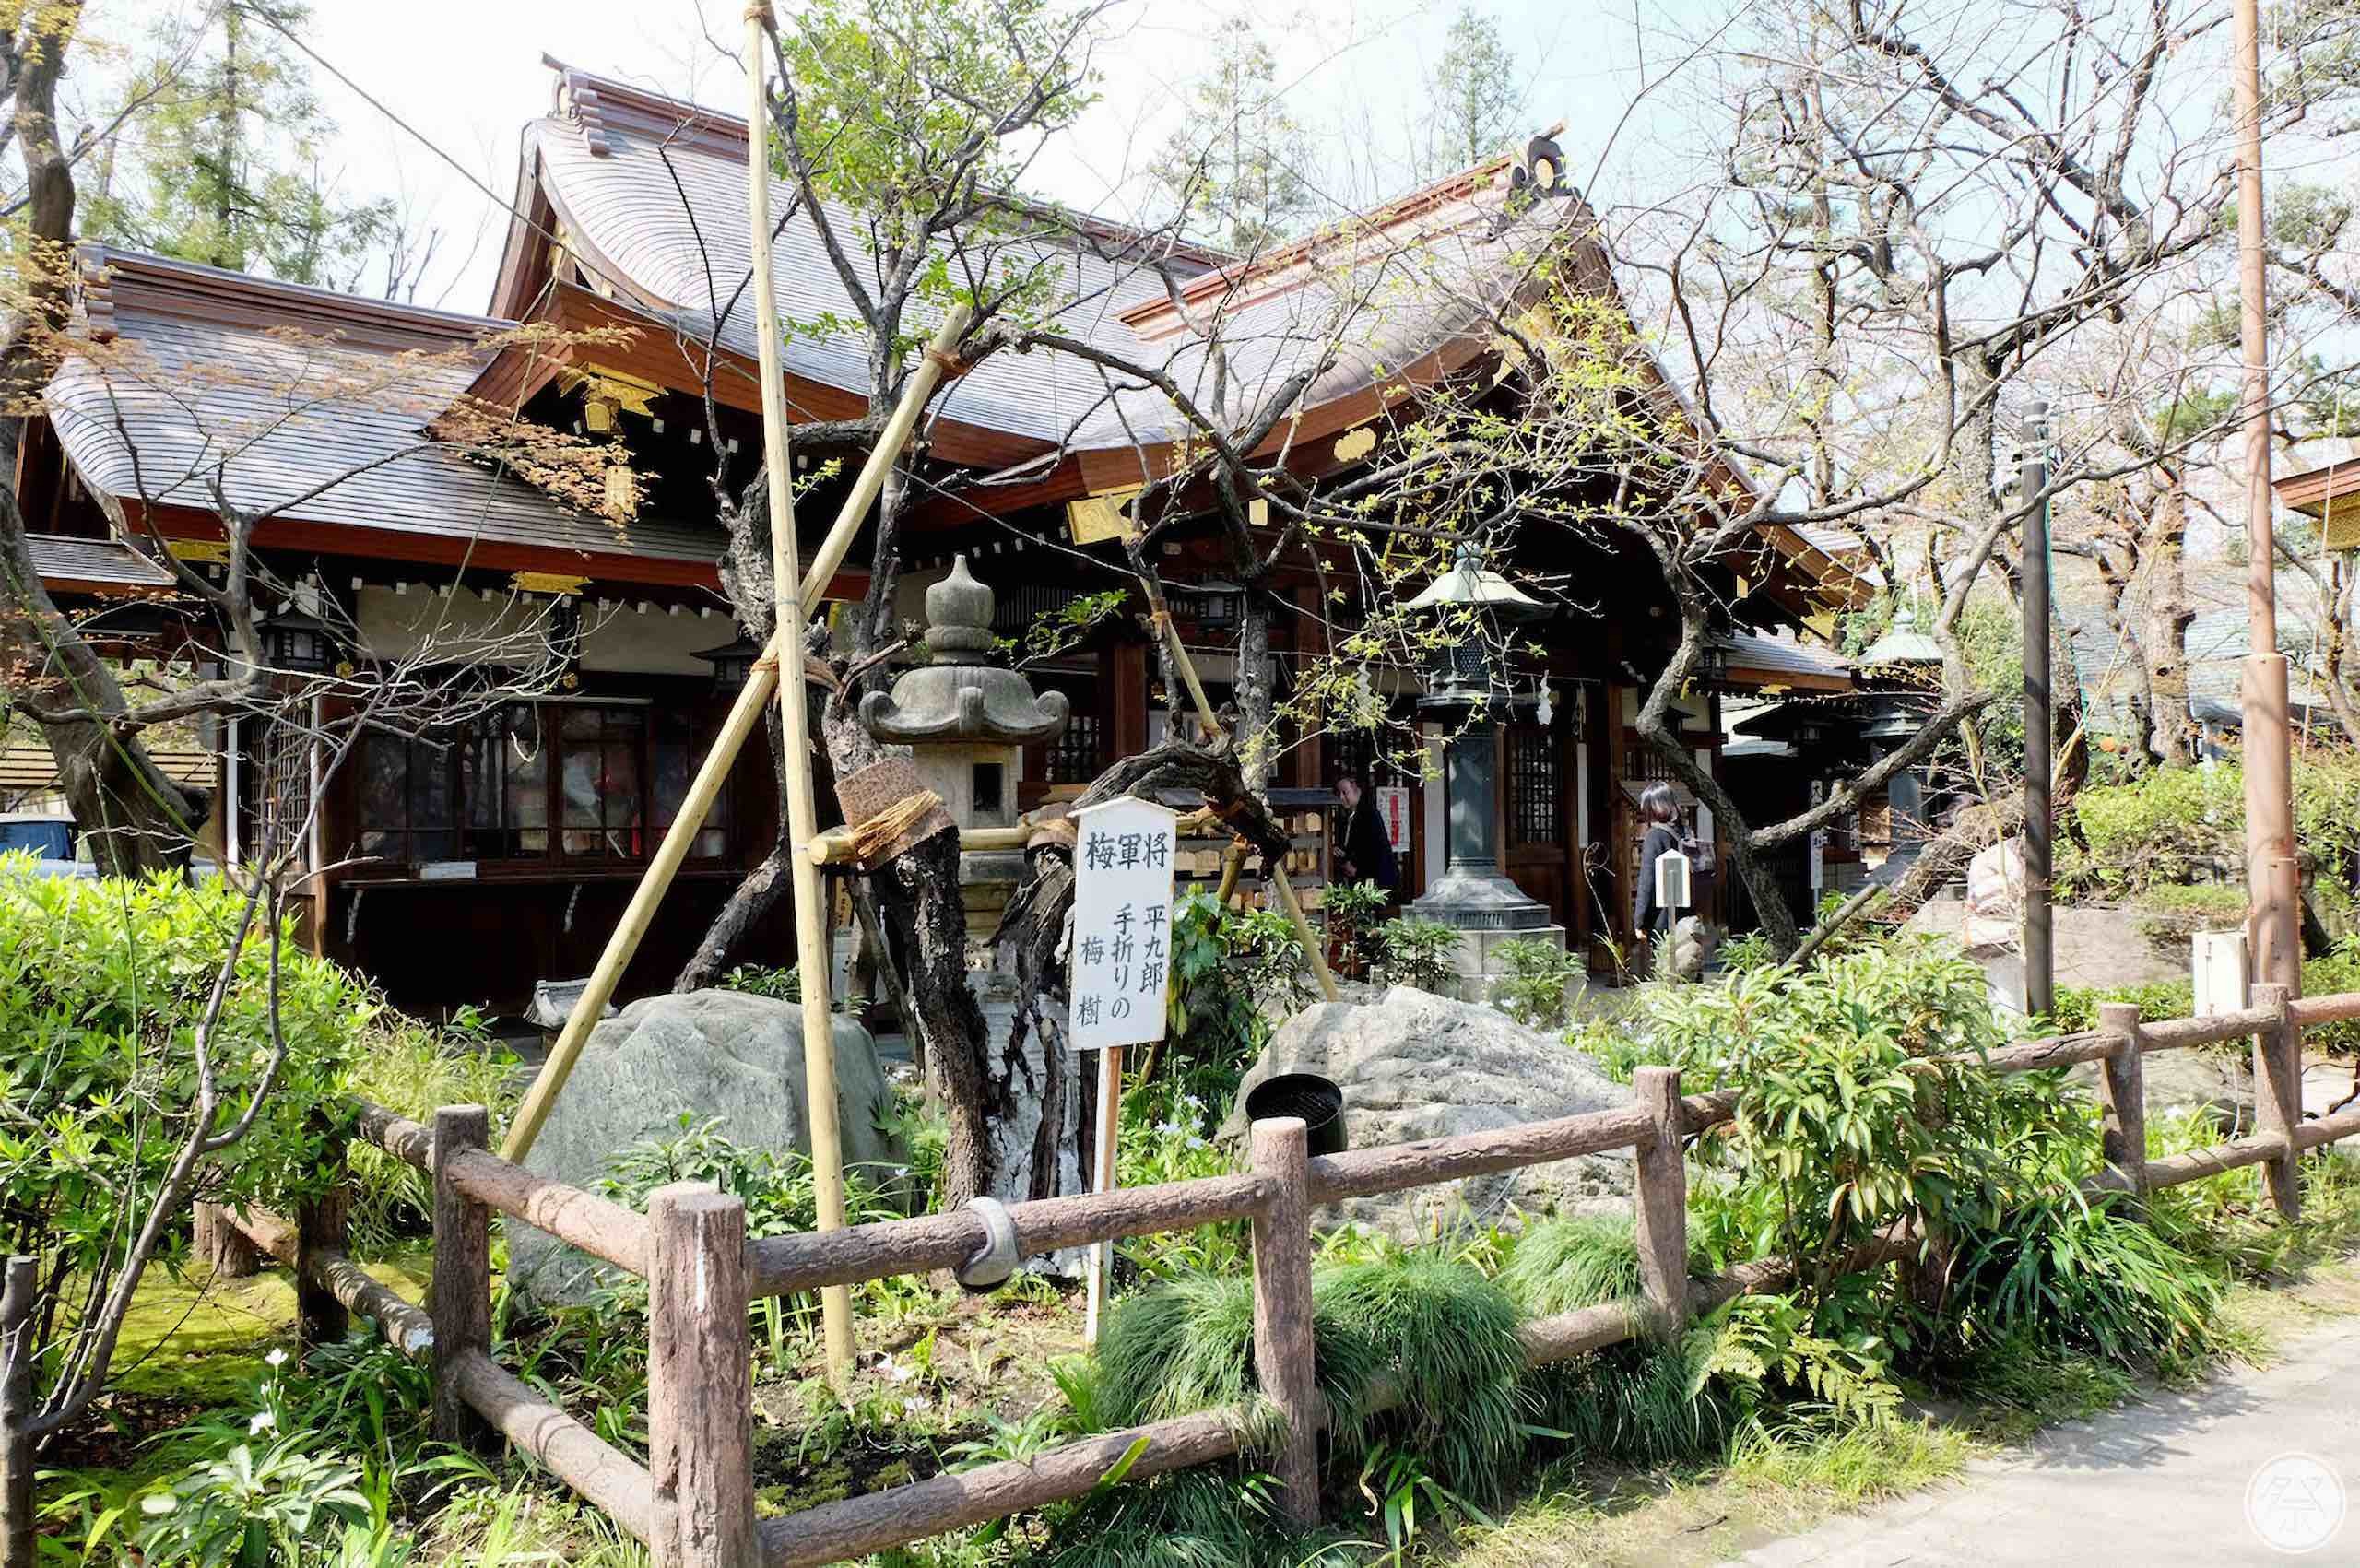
[{"x": 467, "y": 75}]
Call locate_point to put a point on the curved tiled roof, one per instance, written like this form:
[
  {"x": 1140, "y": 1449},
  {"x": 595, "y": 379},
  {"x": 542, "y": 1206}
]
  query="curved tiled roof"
[
  {"x": 652, "y": 195},
  {"x": 304, "y": 404}
]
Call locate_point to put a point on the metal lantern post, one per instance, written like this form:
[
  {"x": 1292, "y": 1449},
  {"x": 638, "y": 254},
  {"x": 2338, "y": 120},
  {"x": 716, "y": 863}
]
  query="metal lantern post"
[
  {"x": 1469, "y": 689},
  {"x": 2040, "y": 727}
]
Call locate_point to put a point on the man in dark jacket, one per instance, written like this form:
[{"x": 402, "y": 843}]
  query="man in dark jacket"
[{"x": 1367, "y": 854}]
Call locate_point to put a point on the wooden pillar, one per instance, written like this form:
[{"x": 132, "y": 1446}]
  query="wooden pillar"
[
  {"x": 2278, "y": 1095},
  {"x": 699, "y": 1381},
  {"x": 18, "y": 1546},
  {"x": 1662, "y": 1200},
  {"x": 1284, "y": 1361},
  {"x": 1311, "y": 641},
  {"x": 223, "y": 1244},
  {"x": 2124, "y": 1096},
  {"x": 1128, "y": 692},
  {"x": 460, "y": 1301}
]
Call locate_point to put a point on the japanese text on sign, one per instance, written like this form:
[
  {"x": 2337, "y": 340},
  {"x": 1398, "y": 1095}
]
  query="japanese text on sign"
[{"x": 1122, "y": 923}]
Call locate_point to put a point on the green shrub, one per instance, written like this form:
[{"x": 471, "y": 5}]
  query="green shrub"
[
  {"x": 1351, "y": 909},
  {"x": 1419, "y": 953},
  {"x": 2158, "y": 827},
  {"x": 104, "y": 986},
  {"x": 777, "y": 1184},
  {"x": 1533, "y": 991}
]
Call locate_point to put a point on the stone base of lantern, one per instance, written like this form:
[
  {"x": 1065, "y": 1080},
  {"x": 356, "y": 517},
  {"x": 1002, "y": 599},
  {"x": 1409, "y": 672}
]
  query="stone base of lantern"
[{"x": 1476, "y": 964}]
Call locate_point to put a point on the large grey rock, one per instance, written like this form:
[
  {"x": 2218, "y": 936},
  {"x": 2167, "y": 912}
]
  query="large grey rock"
[
  {"x": 1415, "y": 1065},
  {"x": 701, "y": 1054}
]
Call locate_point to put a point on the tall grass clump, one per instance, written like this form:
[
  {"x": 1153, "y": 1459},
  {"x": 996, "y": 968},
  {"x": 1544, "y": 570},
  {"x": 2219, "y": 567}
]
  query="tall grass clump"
[
  {"x": 1578, "y": 1261},
  {"x": 1454, "y": 1361},
  {"x": 1429, "y": 1339}
]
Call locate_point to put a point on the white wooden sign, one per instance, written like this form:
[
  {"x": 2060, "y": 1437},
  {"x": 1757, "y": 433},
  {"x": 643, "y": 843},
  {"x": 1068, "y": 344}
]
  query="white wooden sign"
[
  {"x": 1121, "y": 955},
  {"x": 2224, "y": 974}
]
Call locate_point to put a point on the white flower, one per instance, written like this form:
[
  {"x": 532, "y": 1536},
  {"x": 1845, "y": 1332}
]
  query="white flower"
[
  {"x": 1196, "y": 1143},
  {"x": 264, "y": 1421},
  {"x": 276, "y": 1358},
  {"x": 157, "y": 1504}
]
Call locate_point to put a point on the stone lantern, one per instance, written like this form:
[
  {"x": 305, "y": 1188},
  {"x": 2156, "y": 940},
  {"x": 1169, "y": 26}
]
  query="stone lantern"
[
  {"x": 966, "y": 724},
  {"x": 1902, "y": 668},
  {"x": 1467, "y": 688}
]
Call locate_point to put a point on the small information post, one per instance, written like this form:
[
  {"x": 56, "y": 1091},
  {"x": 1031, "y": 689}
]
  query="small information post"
[{"x": 1119, "y": 964}]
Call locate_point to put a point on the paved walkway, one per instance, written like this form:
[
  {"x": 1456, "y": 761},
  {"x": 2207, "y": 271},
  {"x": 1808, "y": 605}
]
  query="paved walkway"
[{"x": 2160, "y": 1483}]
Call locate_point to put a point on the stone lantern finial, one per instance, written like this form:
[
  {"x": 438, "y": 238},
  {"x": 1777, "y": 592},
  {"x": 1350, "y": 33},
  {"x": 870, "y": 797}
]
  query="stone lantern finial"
[
  {"x": 959, "y": 612},
  {"x": 959, "y": 698}
]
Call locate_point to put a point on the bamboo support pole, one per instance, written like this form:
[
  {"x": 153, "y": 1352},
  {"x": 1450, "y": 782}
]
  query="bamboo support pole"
[
  {"x": 795, "y": 720},
  {"x": 1314, "y": 951},
  {"x": 461, "y": 1299},
  {"x": 745, "y": 716}
]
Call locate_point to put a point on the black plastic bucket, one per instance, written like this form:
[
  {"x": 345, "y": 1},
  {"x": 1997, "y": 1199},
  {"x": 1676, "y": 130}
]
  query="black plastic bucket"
[{"x": 1317, "y": 1099}]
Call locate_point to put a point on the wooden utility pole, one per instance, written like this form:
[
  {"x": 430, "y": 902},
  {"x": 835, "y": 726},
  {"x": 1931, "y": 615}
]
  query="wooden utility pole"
[
  {"x": 2040, "y": 724},
  {"x": 795, "y": 714},
  {"x": 2272, "y": 882}
]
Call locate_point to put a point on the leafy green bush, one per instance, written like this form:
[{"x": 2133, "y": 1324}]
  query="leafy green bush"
[
  {"x": 1213, "y": 1028},
  {"x": 1533, "y": 991},
  {"x": 1351, "y": 908},
  {"x": 781, "y": 985},
  {"x": 2077, "y": 1007},
  {"x": 104, "y": 989},
  {"x": 777, "y": 1184},
  {"x": 2158, "y": 827},
  {"x": 1417, "y": 952}
]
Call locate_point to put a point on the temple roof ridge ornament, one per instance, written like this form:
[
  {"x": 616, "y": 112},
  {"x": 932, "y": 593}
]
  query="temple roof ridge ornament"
[{"x": 959, "y": 699}]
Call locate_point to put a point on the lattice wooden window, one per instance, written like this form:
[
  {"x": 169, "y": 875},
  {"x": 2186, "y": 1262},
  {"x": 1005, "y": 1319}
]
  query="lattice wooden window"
[
  {"x": 1536, "y": 787},
  {"x": 1077, "y": 756}
]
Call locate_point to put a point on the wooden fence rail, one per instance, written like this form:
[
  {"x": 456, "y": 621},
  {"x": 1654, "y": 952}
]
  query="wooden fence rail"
[{"x": 693, "y": 1502}]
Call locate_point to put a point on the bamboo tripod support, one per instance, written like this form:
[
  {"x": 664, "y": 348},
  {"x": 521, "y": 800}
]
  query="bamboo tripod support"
[
  {"x": 744, "y": 715},
  {"x": 794, "y": 723}
]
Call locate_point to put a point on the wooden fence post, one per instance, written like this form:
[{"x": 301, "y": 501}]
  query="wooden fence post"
[
  {"x": 461, "y": 1299},
  {"x": 1661, "y": 1202},
  {"x": 2123, "y": 1092},
  {"x": 17, "y": 1548},
  {"x": 219, "y": 1241},
  {"x": 699, "y": 1381},
  {"x": 2278, "y": 1095},
  {"x": 1285, "y": 1360},
  {"x": 320, "y": 1227}
]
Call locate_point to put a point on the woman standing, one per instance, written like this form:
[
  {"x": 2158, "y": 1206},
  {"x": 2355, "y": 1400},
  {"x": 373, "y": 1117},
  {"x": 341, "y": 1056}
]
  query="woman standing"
[{"x": 1660, "y": 811}]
